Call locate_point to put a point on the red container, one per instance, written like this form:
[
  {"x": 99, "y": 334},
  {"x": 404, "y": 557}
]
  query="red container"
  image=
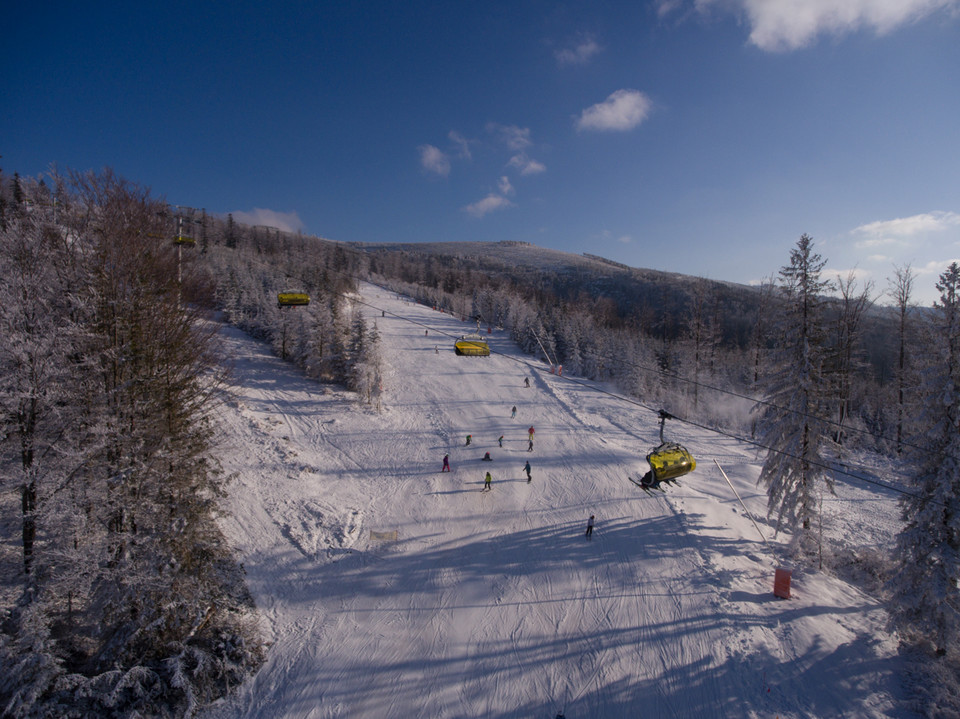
[{"x": 781, "y": 583}]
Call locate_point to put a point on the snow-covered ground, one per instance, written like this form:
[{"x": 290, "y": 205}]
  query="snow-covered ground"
[{"x": 494, "y": 604}]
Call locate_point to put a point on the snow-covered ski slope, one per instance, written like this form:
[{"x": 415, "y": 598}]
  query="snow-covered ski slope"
[{"x": 495, "y": 604}]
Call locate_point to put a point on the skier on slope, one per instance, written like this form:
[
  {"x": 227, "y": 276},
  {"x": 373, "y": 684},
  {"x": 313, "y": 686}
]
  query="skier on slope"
[
  {"x": 526, "y": 468},
  {"x": 589, "y": 534},
  {"x": 526, "y": 381},
  {"x": 446, "y": 463},
  {"x": 530, "y": 432},
  {"x": 487, "y": 483},
  {"x": 513, "y": 413},
  {"x": 469, "y": 437},
  {"x": 500, "y": 440}
]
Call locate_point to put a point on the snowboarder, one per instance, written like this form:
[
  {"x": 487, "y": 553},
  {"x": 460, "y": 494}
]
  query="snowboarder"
[
  {"x": 469, "y": 437},
  {"x": 590, "y": 527},
  {"x": 526, "y": 381},
  {"x": 486, "y": 457},
  {"x": 513, "y": 413},
  {"x": 446, "y": 463},
  {"x": 487, "y": 486},
  {"x": 526, "y": 468},
  {"x": 530, "y": 446},
  {"x": 500, "y": 440}
]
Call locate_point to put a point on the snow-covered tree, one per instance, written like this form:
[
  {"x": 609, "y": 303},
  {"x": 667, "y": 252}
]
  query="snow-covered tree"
[
  {"x": 108, "y": 385},
  {"x": 791, "y": 423},
  {"x": 37, "y": 338},
  {"x": 926, "y": 586},
  {"x": 367, "y": 361},
  {"x": 846, "y": 357},
  {"x": 701, "y": 337},
  {"x": 900, "y": 290}
]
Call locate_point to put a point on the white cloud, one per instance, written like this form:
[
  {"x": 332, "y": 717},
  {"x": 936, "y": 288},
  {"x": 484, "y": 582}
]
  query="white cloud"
[
  {"x": 579, "y": 54},
  {"x": 434, "y": 160},
  {"x": 625, "y": 239},
  {"x": 462, "y": 144},
  {"x": 283, "y": 221},
  {"x": 504, "y": 186},
  {"x": 910, "y": 226},
  {"x": 623, "y": 110},
  {"x": 488, "y": 204},
  {"x": 782, "y": 25},
  {"x": 515, "y": 138},
  {"x": 525, "y": 165},
  {"x": 665, "y": 7},
  {"x": 934, "y": 268},
  {"x": 878, "y": 242},
  {"x": 859, "y": 275},
  {"x": 903, "y": 230},
  {"x": 789, "y": 24}
]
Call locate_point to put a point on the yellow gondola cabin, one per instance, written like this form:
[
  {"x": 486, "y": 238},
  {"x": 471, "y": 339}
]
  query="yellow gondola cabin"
[
  {"x": 472, "y": 346},
  {"x": 670, "y": 461},
  {"x": 292, "y": 299}
]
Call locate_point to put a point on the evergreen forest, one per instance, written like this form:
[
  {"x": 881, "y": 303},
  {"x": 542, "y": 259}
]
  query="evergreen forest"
[{"x": 119, "y": 594}]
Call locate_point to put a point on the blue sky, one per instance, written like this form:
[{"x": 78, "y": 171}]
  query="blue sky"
[{"x": 695, "y": 136}]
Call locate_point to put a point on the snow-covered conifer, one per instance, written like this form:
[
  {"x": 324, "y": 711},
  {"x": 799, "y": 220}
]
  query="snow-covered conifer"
[
  {"x": 368, "y": 368},
  {"x": 112, "y": 379},
  {"x": 926, "y": 597},
  {"x": 791, "y": 422}
]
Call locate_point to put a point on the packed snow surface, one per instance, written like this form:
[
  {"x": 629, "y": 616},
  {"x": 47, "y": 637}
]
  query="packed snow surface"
[{"x": 391, "y": 589}]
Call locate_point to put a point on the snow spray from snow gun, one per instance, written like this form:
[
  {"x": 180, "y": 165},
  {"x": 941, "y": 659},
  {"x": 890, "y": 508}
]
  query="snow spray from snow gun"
[{"x": 545, "y": 353}]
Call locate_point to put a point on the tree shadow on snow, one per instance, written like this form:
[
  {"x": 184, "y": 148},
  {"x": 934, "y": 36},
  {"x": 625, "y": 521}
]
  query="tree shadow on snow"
[{"x": 677, "y": 670}]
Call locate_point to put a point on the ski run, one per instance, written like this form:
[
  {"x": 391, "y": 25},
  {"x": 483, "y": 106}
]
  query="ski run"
[{"x": 388, "y": 588}]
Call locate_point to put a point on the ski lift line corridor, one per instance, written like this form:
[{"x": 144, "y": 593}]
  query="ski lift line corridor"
[
  {"x": 738, "y": 395},
  {"x": 494, "y": 604},
  {"x": 860, "y": 474}
]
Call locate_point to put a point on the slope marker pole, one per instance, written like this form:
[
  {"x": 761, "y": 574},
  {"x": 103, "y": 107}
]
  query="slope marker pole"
[{"x": 740, "y": 500}]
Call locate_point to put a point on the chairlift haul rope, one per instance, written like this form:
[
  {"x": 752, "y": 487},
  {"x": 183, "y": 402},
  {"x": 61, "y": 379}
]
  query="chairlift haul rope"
[{"x": 836, "y": 468}]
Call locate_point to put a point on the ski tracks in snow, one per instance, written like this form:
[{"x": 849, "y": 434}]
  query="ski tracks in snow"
[{"x": 488, "y": 604}]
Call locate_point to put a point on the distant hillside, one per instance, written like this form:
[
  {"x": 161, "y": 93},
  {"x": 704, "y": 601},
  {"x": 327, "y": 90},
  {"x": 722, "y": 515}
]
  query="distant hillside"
[
  {"x": 527, "y": 255},
  {"x": 651, "y": 300}
]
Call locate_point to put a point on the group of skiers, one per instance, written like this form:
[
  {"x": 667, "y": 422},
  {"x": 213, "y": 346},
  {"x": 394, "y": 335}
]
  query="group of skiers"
[{"x": 488, "y": 477}]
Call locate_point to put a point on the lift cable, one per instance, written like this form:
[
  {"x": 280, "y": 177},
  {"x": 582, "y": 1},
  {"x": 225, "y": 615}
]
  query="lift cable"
[
  {"x": 739, "y": 395},
  {"x": 836, "y": 468}
]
